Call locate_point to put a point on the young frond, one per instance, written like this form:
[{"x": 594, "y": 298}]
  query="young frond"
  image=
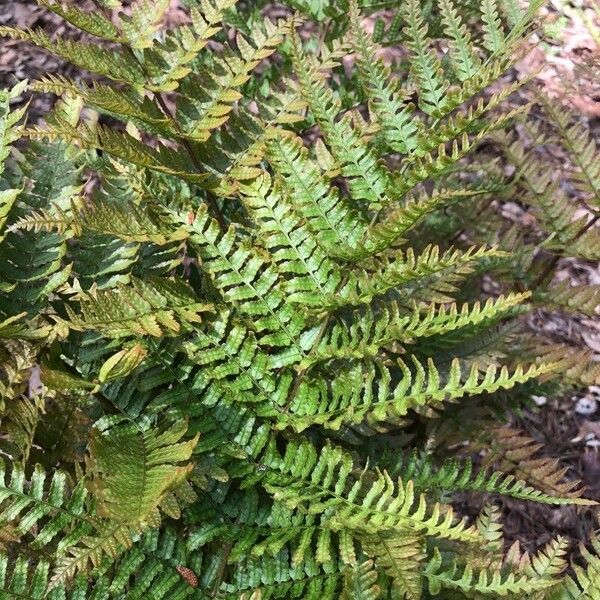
[
  {"x": 133, "y": 469},
  {"x": 154, "y": 308}
]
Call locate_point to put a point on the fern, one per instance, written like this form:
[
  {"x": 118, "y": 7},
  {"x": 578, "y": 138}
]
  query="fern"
[{"x": 253, "y": 298}]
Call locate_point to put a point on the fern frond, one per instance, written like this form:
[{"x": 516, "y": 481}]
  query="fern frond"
[
  {"x": 365, "y": 505},
  {"x": 585, "y": 585},
  {"x": 247, "y": 279},
  {"x": 122, "y": 104},
  {"x": 367, "y": 334},
  {"x": 205, "y": 109},
  {"x": 113, "y": 64},
  {"x": 133, "y": 469},
  {"x": 457, "y": 475},
  {"x": 312, "y": 276},
  {"x": 171, "y": 59},
  {"x": 582, "y": 150},
  {"x": 155, "y": 308},
  {"x": 465, "y": 579},
  {"x": 398, "y": 123},
  {"x": 434, "y": 273},
  {"x": 434, "y": 96},
  {"x": 93, "y": 22},
  {"x": 126, "y": 221},
  {"x": 463, "y": 55},
  {"x": 20, "y": 579},
  {"x": 579, "y": 298},
  {"x": 367, "y": 177},
  {"x": 143, "y": 21},
  {"x": 335, "y": 225},
  {"x": 390, "y": 227},
  {"x": 354, "y": 397},
  {"x": 402, "y": 557},
  {"x": 494, "y": 39},
  {"x": 126, "y": 147},
  {"x": 18, "y": 422},
  {"x": 10, "y": 130},
  {"x": 360, "y": 583},
  {"x": 513, "y": 452}
]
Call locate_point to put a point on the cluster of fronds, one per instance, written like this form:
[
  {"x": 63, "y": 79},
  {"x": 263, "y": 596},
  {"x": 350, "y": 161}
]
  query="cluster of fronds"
[{"x": 257, "y": 325}]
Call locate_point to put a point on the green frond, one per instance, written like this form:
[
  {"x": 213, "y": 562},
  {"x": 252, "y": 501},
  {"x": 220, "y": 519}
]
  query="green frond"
[
  {"x": 335, "y": 225},
  {"x": 51, "y": 515},
  {"x": 312, "y": 275},
  {"x": 368, "y": 179},
  {"x": 246, "y": 278},
  {"x": 155, "y": 308},
  {"x": 126, "y": 147},
  {"x": 103, "y": 260},
  {"x": 494, "y": 39},
  {"x": 463, "y": 55},
  {"x": 7, "y": 201},
  {"x": 109, "y": 542},
  {"x": 402, "y": 557},
  {"x": 122, "y": 104},
  {"x": 94, "y": 22},
  {"x": 114, "y": 64},
  {"x": 585, "y": 585},
  {"x": 368, "y": 333},
  {"x": 354, "y": 397},
  {"x": 273, "y": 577},
  {"x": 360, "y": 583},
  {"x": 429, "y": 273},
  {"x": 133, "y": 469},
  {"x": 370, "y": 503},
  {"x": 426, "y": 68},
  {"x": 389, "y": 228},
  {"x": 457, "y": 475},
  {"x": 398, "y": 123},
  {"x": 171, "y": 59},
  {"x": 234, "y": 366},
  {"x": 258, "y": 317},
  {"x": 19, "y": 579},
  {"x": 18, "y": 422}
]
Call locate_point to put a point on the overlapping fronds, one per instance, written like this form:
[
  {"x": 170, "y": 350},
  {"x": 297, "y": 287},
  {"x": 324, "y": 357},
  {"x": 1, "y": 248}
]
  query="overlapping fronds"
[{"x": 254, "y": 304}]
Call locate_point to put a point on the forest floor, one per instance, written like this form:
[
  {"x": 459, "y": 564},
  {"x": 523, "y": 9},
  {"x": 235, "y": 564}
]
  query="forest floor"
[{"x": 565, "y": 61}]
